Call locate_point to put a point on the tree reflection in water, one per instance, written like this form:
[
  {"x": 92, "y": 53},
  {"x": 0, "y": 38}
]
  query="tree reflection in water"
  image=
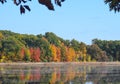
[{"x": 60, "y": 74}]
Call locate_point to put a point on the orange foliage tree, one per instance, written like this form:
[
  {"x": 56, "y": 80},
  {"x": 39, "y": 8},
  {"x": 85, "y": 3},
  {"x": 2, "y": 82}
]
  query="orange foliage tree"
[
  {"x": 58, "y": 54},
  {"x": 70, "y": 54}
]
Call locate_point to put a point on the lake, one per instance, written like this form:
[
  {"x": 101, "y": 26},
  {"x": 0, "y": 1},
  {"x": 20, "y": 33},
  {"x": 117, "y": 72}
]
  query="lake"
[{"x": 64, "y": 73}]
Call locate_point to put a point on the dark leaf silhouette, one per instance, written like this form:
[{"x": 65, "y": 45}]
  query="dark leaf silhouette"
[
  {"x": 23, "y": 1},
  {"x": 22, "y": 9},
  {"x": 62, "y": 0},
  {"x": 3, "y": 1},
  {"x": 58, "y": 2},
  {"x": 47, "y": 3},
  {"x": 23, "y": 5},
  {"x": 17, "y": 2},
  {"x": 27, "y": 7},
  {"x": 113, "y": 5}
]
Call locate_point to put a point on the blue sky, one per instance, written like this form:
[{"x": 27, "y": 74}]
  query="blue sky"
[{"x": 82, "y": 20}]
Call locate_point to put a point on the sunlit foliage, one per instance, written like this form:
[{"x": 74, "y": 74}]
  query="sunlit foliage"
[{"x": 16, "y": 47}]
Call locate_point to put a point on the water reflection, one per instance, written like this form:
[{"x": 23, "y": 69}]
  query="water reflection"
[{"x": 60, "y": 74}]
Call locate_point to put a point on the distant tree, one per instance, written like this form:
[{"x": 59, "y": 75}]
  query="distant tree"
[
  {"x": 113, "y": 5},
  {"x": 10, "y": 48},
  {"x": 58, "y": 54},
  {"x": 35, "y": 54},
  {"x": 82, "y": 52},
  {"x": 22, "y": 53},
  {"x": 112, "y": 48},
  {"x": 54, "y": 52},
  {"x": 30, "y": 40},
  {"x": 96, "y": 53},
  {"x": 1, "y": 36},
  {"x": 52, "y": 38},
  {"x": 75, "y": 44},
  {"x": 23, "y": 4},
  {"x": 27, "y": 55},
  {"x": 63, "y": 53},
  {"x": 70, "y": 54},
  {"x": 44, "y": 45}
]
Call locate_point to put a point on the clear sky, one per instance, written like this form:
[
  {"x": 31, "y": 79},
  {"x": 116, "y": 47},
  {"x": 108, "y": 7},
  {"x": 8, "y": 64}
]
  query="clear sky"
[{"x": 82, "y": 20}]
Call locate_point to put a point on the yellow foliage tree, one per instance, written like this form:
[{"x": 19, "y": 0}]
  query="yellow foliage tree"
[
  {"x": 70, "y": 54},
  {"x": 58, "y": 54},
  {"x": 54, "y": 51}
]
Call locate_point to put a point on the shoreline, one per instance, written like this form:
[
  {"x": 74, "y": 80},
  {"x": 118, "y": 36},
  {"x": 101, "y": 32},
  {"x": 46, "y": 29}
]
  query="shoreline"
[{"x": 61, "y": 63}]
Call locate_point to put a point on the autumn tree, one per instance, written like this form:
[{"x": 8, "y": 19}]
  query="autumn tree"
[
  {"x": 71, "y": 54},
  {"x": 22, "y": 54},
  {"x": 35, "y": 54},
  {"x": 96, "y": 53},
  {"x": 54, "y": 52},
  {"x": 58, "y": 54},
  {"x": 49, "y": 47},
  {"x": 27, "y": 55}
]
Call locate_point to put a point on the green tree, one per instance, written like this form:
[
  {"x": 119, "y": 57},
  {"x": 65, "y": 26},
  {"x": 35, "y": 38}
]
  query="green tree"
[
  {"x": 10, "y": 48},
  {"x": 63, "y": 53},
  {"x": 112, "y": 48},
  {"x": 29, "y": 40},
  {"x": 44, "y": 45},
  {"x": 82, "y": 52},
  {"x": 52, "y": 38},
  {"x": 67, "y": 43},
  {"x": 75, "y": 44}
]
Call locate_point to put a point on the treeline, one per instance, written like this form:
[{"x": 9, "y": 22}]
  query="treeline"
[{"x": 15, "y": 47}]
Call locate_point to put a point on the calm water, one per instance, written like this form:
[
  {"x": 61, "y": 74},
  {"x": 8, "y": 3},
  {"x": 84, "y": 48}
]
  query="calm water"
[{"x": 60, "y": 74}]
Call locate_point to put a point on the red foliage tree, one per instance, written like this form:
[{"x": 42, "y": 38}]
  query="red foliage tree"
[{"x": 35, "y": 54}]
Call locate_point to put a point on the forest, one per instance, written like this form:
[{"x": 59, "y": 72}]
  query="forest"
[{"x": 15, "y": 47}]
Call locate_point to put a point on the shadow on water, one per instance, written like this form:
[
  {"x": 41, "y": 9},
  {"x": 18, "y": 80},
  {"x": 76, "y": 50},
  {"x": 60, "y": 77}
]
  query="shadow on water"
[{"x": 60, "y": 74}]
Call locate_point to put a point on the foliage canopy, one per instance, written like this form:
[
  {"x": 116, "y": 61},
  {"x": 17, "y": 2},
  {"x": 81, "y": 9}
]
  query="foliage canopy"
[
  {"x": 23, "y": 4},
  {"x": 51, "y": 48},
  {"x": 113, "y": 4}
]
